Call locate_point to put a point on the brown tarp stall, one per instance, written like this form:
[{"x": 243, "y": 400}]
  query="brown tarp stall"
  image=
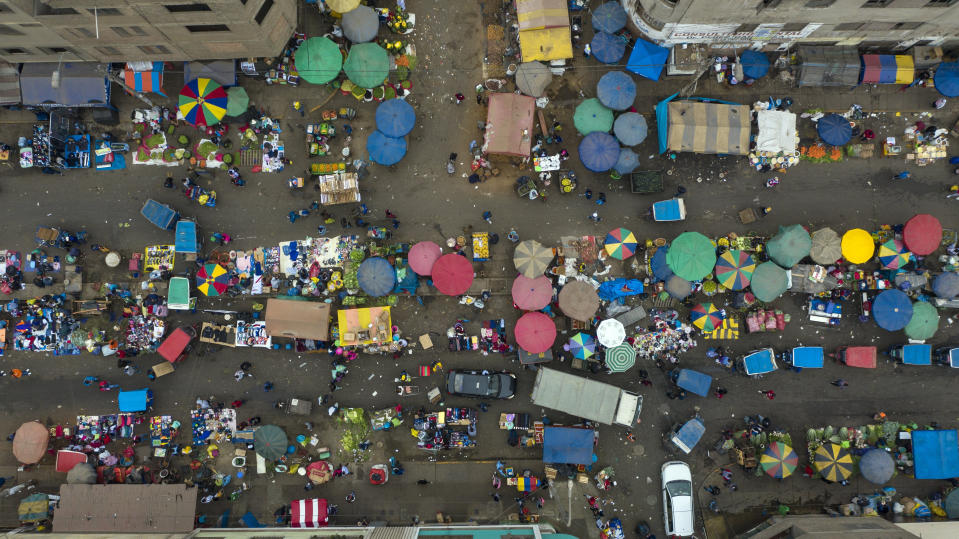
[
  {"x": 536, "y": 14},
  {"x": 509, "y": 124},
  {"x": 125, "y": 509},
  {"x": 708, "y": 128},
  {"x": 298, "y": 319}
]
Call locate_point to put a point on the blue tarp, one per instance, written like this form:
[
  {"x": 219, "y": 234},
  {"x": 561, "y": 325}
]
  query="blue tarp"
[
  {"x": 630, "y": 128},
  {"x": 376, "y": 276},
  {"x": 936, "y": 454},
  {"x": 647, "y": 59},
  {"x": 661, "y": 271},
  {"x": 808, "y": 357},
  {"x": 599, "y": 151},
  {"x": 946, "y": 285},
  {"x": 133, "y": 401},
  {"x": 689, "y": 435},
  {"x": 619, "y": 288},
  {"x": 250, "y": 521},
  {"x": 395, "y": 118},
  {"x": 159, "y": 214},
  {"x": 834, "y": 130},
  {"x": 755, "y": 64},
  {"x": 917, "y": 354},
  {"x": 627, "y": 161},
  {"x": 616, "y": 90},
  {"x": 946, "y": 79},
  {"x": 892, "y": 310},
  {"x": 408, "y": 283},
  {"x": 607, "y": 48},
  {"x": 667, "y": 210},
  {"x": 609, "y": 17},
  {"x": 694, "y": 382},
  {"x": 185, "y": 241},
  {"x": 760, "y": 362},
  {"x": 565, "y": 445},
  {"x": 385, "y": 150}
]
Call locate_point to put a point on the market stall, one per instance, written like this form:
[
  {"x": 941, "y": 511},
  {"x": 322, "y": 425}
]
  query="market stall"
[
  {"x": 213, "y": 426},
  {"x": 444, "y": 429},
  {"x": 692, "y": 125},
  {"x": 339, "y": 188},
  {"x": 568, "y": 445},
  {"x": 366, "y": 326},
  {"x": 163, "y": 430},
  {"x": 509, "y": 125},
  {"x": 828, "y": 66}
]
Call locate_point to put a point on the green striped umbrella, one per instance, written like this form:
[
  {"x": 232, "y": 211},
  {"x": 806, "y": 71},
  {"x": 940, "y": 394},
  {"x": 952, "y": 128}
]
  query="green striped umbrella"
[
  {"x": 591, "y": 115},
  {"x": 620, "y": 358}
]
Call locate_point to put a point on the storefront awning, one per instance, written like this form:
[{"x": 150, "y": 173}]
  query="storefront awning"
[
  {"x": 144, "y": 76},
  {"x": 536, "y": 14}
]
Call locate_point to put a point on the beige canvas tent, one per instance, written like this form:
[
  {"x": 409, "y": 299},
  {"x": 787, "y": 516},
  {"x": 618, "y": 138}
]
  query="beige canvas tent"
[
  {"x": 509, "y": 124},
  {"x": 298, "y": 319},
  {"x": 713, "y": 128}
]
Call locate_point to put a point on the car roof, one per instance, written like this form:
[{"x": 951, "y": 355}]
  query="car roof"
[{"x": 472, "y": 379}]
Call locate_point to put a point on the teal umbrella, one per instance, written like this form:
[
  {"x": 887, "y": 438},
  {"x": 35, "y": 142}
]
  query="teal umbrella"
[
  {"x": 237, "y": 101},
  {"x": 591, "y": 115},
  {"x": 367, "y": 65},
  {"x": 789, "y": 246},
  {"x": 270, "y": 442},
  {"x": 318, "y": 60},
  {"x": 768, "y": 282},
  {"x": 924, "y": 322},
  {"x": 691, "y": 256}
]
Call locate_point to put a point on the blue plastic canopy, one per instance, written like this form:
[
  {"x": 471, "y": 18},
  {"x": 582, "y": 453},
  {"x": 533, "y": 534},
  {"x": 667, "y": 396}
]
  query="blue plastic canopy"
[
  {"x": 946, "y": 285},
  {"x": 808, "y": 357},
  {"x": 607, "y": 48},
  {"x": 755, "y": 64},
  {"x": 667, "y": 210},
  {"x": 599, "y": 151},
  {"x": 133, "y": 401},
  {"x": 185, "y": 238},
  {"x": 892, "y": 310},
  {"x": 647, "y": 59},
  {"x": 616, "y": 90},
  {"x": 619, "y": 288},
  {"x": 376, "y": 276},
  {"x": 609, "y": 17},
  {"x": 917, "y": 354},
  {"x": 834, "y": 130},
  {"x": 760, "y": 362},
  {"x": 661, "y": 271},
  {"x": 384, "y": 149},
  {"x": 627, "y": 161},
  {"x": 936, "y": 454},
  {"x": 689, "y": 434},
  {"x": 694, "y": 382},
  {"x": 946, "y": 79},
  {"x": 395, "y": 118},
  {"x": 566, "y": 445},
  {"x": 630, "y": 128}
]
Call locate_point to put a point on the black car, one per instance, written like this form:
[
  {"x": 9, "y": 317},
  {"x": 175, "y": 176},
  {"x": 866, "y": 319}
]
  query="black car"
[{"x": 486, "y": 384}]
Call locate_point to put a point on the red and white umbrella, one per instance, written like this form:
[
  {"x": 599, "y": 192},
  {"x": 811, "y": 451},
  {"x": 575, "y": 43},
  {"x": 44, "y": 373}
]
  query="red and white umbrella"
[{"x": 532, "y": 294}]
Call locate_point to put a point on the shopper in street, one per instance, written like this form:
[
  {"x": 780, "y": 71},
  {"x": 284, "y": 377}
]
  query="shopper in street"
[
  {"x": 840, "y": 383},
  {"x": 768, "y": 393}
]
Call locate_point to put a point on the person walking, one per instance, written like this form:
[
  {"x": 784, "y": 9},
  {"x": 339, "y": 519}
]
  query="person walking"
[
  {"x": 720, "y": 392},
  {"x": 488, "y": 216},
  {"x": 423, "y": 482},
  {"x": 268, "y": 386},
  {"x": 459, "y": 97},
  {"x": 351, "y": 497},
  {"x": 601, "y": 199},
  {"x": 840, "y": 383},
  {"x": 768, "y": 393}
]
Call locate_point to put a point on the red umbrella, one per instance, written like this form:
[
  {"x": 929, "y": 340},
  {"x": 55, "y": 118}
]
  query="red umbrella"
[
  {"x": 535, "y": 332},
  {"x": 922, "y": 234},
  {"x": 532, "y": 294},
  {"x": 452, "y": 274},
  {"x": 423, "y": 255}
]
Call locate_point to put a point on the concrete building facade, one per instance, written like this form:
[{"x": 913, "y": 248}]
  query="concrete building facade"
[
  {"x": 887, "y": 25},
  {"x": 129, "y": 30}
]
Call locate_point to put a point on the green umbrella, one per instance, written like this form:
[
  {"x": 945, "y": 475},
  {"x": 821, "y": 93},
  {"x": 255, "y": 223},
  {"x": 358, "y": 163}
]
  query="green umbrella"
[
  {"x": 318, "y": 60},
  {"x": 691, "y": 256},
  {"x": 591, "y": 115},
  {"x": 924, "y": 321},
  {"x": 789, "y": 246},
  {"x": 620, "y": 358},
  {"x": 367, "y": 65},
  {"x": 769, "y": 281},
  {"x": 236, "y": 101},
  {"x": 270, "y": 442}
]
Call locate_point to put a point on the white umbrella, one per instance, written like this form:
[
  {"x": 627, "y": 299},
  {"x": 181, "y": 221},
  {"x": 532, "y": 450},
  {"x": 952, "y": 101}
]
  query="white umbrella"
[{"x": 610, "y": 333}]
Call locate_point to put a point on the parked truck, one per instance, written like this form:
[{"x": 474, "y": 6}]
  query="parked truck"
[{"x": 585, "y": 398}]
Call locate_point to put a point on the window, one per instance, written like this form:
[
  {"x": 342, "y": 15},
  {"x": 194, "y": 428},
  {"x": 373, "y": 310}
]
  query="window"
[
  {"x": 105, "y": 11},
  {"x": 120, "y": 31},
  {"x": 57, "y": 11},
  {"x": 30, "y": 25},
  {"x": 15, "y": 51},
  {"x": 157, "y": 49},
  {"x": 906, "y": 25},
  {"x": 264, "y": 10},
  {"x": 847, "y": 26},
  {"x": 195, "y": 28},
  {"x": 55, "y": 50},
  {"x": 83, "y": 32},
  {"x": 138, "y": 31},
  {"x": 187, "y": 8},
  {"x": 793, "y": 27},
  {"x": 8, "y": 31},
  {"x": 108, "y": 51},
  {"x": 812, "y": 4},
  {"x": 4, "y": 8},
  {"x": 877, "y": 3},
  {"x": 940, "y": 3},
  {"x": 745, "y": 28}
]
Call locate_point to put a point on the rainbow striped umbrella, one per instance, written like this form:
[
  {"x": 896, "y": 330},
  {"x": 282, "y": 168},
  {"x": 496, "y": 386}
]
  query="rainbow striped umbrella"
[
  {"x": 582, "y": 346},
  {"x": 212, "y": 280},
  {"x": 734, "y": 269},
  {"x": 621, "y": 244},
  {"x": 779, "y": 460},
  {"x": 203, "y": 102},
  {"x": 706, "y": 317},
  {"x": 893, "y": 254}
]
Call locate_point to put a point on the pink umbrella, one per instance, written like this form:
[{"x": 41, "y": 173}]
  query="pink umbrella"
[
  {"x": 423, "y": 255},
  {"x": 452, "y": 274},
  {"x": 535, "y": 332},
  {"x": 532, "y": 294}
]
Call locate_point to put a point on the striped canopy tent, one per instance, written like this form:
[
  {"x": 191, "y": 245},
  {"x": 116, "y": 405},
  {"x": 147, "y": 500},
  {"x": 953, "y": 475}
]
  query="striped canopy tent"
[
  {"x": 706, "y": 316},
  {"x": 144, "y": 77},
  {"x": 582, "y": 345},
  {"x": 620, "y": 244},
  {"x": 887, "y": 69},
  {"x": 707, "y": 128}
]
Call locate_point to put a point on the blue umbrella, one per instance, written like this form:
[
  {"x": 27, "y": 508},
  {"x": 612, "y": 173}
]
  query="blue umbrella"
[
  {"x": 376, "y": 276},
  {"x": 946, "y": 79},
  {"x": 661, "y": 271},
  {"x": 607, "y": 48},
  {"x": 599, "y": 151},
  {"x": 609, "y": 17},
  {"x": 946, "y": 285},
  {"x": 647, "y": 59},
  {"x": 616, "y": 90},
  {"x": 755, "y": 64},
  {"x": 892, "y": 310},
  {"x": 834, "y": 129},
  {"x": 630, "y": 128},
  {"x": 626, "y": 162},
  {"x": 385, "y": 150},
  {"x": 395, "y": 118}
]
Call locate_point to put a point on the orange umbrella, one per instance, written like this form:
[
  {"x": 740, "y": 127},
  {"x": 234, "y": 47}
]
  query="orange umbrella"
[{"x": 30, "y": 442}]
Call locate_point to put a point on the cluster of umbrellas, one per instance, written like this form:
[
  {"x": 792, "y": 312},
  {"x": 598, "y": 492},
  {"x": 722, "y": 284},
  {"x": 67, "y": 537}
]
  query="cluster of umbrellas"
[
  {"x": 893, "y": 311},
  {"x": 608, "y": 19},
  {"x": 395, "y": 118},
  {"x": 318, "y": 60},
  {"x": 832, "y": 461},
  {"x": 452, "y": 274},
  {"x": 594, "y": 118}
]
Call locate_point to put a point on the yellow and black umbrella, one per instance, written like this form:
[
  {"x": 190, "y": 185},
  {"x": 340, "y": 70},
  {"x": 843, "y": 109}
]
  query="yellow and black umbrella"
[{"x": 833, "y": 462}]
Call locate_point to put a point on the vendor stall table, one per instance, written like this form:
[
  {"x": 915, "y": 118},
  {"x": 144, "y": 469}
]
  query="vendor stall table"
[{"x": 339, "y": 188}]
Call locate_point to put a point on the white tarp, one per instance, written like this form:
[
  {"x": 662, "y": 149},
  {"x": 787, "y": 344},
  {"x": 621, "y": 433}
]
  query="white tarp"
[{"x": 777, "y": 131}]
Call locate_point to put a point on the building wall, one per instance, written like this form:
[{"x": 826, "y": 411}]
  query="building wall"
[{"x": 127, "y": 30}]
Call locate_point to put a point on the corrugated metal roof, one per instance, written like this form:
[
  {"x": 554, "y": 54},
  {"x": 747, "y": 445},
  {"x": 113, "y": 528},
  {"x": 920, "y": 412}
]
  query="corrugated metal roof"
[{"x": 125, "y": 509}]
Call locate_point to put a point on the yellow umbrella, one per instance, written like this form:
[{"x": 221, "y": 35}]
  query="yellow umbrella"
[
  {"x": 342, "y": 6},
  {"x": 857, "y": 246},
  {"x": 833, "y": 462}
]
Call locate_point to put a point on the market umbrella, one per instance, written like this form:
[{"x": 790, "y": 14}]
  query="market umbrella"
[
  {"x": 578, "y": 300},
  {"x": 627, "y": 161},
  {"x": 924, "y": 321},
  {"x": 452, "y": 274},
  {"x": 620, "y": 358},
  {"x": 582, "y": 345},
  {"x": 609, "y": 17},
  {"x": 384, "y": 149},
  {"x": 877, "y": 466},
  {"x": 922, "y": 234},
  {"x": 342, "y": 6},
  {"x": 893, "y": 254},
  {"x": 30, "y": 442},
  {"x": 212, "y": 280},
  {"x": 610, "y": 333},
  {"x": 361, "y": 24},
  {"x": 531, "y": 258},
  {"x": 422, "y": 256},
  {"x": 678, "y": 287},
  {"x": 833, "y": 462},
  {"x": 599, "y": 151},
  {"x": 620, "y": 243},
  {"x": 769, "y": 281},
  {"x": 892, "y": 309},
  {"x": 946, "y": 285},
  {"x": 532, "y": 294},
  {"x": 857, "y": 246},
  {"x": 591, "y": 115},
  {"x": 270, "y": 442},
  {"x": 318, "y": 60},
  {"x": 834, "y": 130},
  {"x": 202, "y": 102},
  {"x": 734, "y": 269},
  {"x": 779, "y": 460},
  {"x": 82, "y": 474},
  {"x": 532, "y": 78},
  {"x": 952, "y": 504},
  {"x": 691, "y": 256},
  {"x": 376, "y": 276},
  {"x": 367, "y": 65},
  {"x": 706, "y": 317},
  {"x": 237, "y": 101},
  {"x": 395, "y": 117},
  {"x": 657, "y": 264},
  {"x": 319, "y": 472},
  {"x": 535, "y": 332},
  {"x": 607, "y": 48},
  {"x": 616, "y": 90},
  {"x": 826, "y": 246},
  {"x": 755, "y": 64},
  {"x": 946, "y": 80},
  {"x": 630, "y": 128},
  {"x": 790, "y": 245}
]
